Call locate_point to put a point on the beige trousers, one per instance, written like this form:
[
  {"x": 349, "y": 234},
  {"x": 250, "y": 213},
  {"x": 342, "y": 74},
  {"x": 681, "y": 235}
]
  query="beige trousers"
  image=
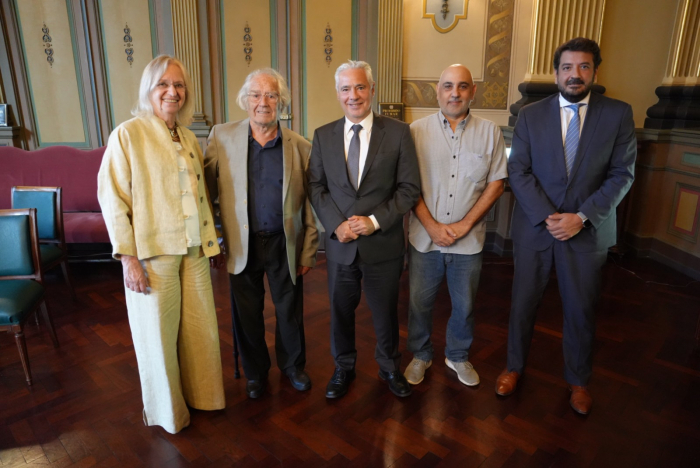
[{"x": 176, "y": 339}]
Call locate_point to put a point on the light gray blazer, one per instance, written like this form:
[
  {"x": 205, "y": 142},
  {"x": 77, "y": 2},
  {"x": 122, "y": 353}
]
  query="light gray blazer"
[{"x": 226, "y": 173}]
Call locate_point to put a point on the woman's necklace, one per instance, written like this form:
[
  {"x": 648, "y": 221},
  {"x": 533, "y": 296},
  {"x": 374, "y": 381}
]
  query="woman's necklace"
[{"x": 173, "y": 133}]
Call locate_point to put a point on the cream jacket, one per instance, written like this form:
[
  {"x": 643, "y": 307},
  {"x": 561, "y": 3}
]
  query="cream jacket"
[
  {"x": 226, "y": 171},
  {"x": 139, "y": 193}
]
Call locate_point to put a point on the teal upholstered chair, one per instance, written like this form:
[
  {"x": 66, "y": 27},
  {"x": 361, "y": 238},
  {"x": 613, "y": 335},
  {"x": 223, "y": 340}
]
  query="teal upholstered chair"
[
  {"x": 21, "y": 278},
  {"x": 49, "y": 212}
]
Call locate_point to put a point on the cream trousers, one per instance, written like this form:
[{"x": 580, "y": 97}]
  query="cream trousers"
[{"x": 176, "y": 339}]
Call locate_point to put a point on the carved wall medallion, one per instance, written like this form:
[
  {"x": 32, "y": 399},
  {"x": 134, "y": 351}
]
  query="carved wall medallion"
[
  {"x": 48, "y": 49},
  {"x": 247, "y": 44},
  {"x": 128, "y": 45},
  {"x": 445, "y": 14},
  {"x": 328, "y": 45}
]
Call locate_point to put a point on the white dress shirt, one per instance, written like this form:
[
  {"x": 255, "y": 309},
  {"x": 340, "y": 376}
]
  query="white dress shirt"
[
  {"x": 566, "y": 114},
  {"x": 365, "y": 135}
]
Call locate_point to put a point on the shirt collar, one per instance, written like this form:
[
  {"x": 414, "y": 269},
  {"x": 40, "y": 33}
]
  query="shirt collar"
[
  {"x": 460, "y": 125},
  {"x": 563, "y": 102},
  {"x": 366, "y": 123},
  {"x": 270, "y": 143}
]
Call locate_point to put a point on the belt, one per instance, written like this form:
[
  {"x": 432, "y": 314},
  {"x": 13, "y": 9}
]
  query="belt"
[{"x": 267, "y": 234}]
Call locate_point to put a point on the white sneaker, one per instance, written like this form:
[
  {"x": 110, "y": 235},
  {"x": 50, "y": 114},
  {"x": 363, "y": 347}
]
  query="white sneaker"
[
  {"x": 415, "y": 371},
  {"x": 465, "y": 371}
]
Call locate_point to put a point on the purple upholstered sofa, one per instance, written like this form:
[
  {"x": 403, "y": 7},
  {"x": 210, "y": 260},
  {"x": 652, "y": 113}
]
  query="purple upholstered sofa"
[{"x": 59, "y": 166}]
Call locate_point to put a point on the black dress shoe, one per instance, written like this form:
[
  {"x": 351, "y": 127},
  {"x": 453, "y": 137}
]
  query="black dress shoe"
[
  {"x": 338, "y": 385},
  {"x": 300, "y": 380},
  {"x": 256, "y": 388},
  {"x": 397, "y": 383}
]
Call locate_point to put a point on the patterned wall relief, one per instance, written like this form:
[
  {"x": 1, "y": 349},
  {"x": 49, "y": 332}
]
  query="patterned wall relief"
[
  {"x": 492, "y": 92},
  {"x": 247, "y": 44},
  {"x": 128, "y": 45},
  {"x": 445, "y": 14},
  {"x": 685, "y": 213},
  {"x": 321, "y": 58},
  {"x": 328, "y": 44},
  {"x": 48, "y": 50},
  {"x": 47, "y": 33},
  {"x": 251, "y": 21}
]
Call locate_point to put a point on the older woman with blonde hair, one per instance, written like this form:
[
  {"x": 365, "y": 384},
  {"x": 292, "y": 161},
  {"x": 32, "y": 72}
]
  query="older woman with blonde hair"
[{"x": 160, "y": 222}]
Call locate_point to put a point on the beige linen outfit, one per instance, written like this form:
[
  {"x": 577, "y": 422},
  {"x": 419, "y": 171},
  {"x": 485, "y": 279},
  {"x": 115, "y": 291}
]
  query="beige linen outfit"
[{"x": 174, "y": 327}]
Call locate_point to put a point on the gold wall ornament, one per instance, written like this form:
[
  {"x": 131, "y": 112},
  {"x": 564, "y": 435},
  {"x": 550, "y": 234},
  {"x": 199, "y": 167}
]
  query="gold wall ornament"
[
  {"x": 48, "y": 49},
  {"x": 247, "y": 44},
  {"x": 443, "y": 15},
  {"x": 128, "y": 45},
  {"x": 328, "y": 45}
]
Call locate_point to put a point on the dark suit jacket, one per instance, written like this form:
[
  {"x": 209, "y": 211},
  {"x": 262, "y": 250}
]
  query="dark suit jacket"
[
  {"x": 602, "y": 173},
  {"x": 389, "y": 188}
]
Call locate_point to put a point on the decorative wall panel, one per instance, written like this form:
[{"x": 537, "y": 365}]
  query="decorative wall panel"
[
  {"x": 53, "y": 71},
  {"x": 487, "y": 57},
  {"x": 236, "y": 16},
  {"x": 686, "y": 210},
  {"x": 320, "y": 101},
  {"x": 127, "y": 33}
]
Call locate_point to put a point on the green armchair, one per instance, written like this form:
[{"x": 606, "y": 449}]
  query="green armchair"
[{"x": 21, "y": 278}]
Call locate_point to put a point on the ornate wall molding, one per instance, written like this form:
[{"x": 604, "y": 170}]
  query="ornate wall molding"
[
  {"x": 48, "y": 48},
  {"x": 445, "y": 14},
  {"x": 492, "y": 93},
  {"x": 328, "y": 45},
  {"x": 247, "y": 44},
  {"x": 186, "y": 46},
  {"x": 390, "y": 53}
]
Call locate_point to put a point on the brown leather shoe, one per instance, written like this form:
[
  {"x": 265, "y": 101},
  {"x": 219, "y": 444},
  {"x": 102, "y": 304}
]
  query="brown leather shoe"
[
  {"x": 506, "y": 382},
  {"x": 580, "y": 400}
]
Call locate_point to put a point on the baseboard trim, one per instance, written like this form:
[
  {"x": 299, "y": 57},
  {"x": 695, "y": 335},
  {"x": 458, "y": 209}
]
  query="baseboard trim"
[{"x": 664, "y": 253}]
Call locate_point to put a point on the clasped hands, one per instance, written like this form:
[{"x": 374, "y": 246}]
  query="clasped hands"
[
  {"x": 354, "y": 227},
  {"x": 564, "y": 226},
  {"x": 444, "y": 235}
]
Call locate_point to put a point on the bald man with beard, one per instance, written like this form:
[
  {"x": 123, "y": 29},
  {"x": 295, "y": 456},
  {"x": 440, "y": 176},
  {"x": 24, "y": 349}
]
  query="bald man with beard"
[{"x": 462, "y": 163}]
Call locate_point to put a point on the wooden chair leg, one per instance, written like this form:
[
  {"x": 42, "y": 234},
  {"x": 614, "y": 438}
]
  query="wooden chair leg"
[
  {"x": 23, "y": 356},
  {"x": 66, "y": 277},
  {"x": 49, "y": 323}
]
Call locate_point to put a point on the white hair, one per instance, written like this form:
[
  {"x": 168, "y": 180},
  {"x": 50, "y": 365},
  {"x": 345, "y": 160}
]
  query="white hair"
[
  {"x": 285, "y": 95},
  {"x": 149, "y": 79},
  {"x": 351, "y": 64}
]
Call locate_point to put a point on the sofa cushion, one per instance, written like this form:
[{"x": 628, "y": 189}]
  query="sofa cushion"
[{"x": 85, "y": 228}]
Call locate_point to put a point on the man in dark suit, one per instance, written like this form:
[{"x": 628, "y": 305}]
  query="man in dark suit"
[
  {"x": 572, "y": 162},
  {"x": 363, "y": 177}
]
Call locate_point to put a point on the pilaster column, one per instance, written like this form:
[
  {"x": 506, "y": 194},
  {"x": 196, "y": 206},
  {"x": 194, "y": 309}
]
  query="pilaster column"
[
  {"x": 186, "y": 47},
  {"x": 390, "y": 51},
  {"x": 556, "y": 22},
  {"x": 679, "y": 93}
]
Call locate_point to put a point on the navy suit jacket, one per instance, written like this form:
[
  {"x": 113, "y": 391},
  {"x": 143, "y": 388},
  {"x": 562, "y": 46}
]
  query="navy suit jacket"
[
  {"x": 389, "y": 188},
  {"x": 602, "y": 173}
]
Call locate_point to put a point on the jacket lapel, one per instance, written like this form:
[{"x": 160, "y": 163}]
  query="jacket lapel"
[
  {"x": 287, "y": 161},
  {"x": 375, "y": 142},
  {"x": 239, "y": 165},
  {"x": 590, "y": 123},
  {"x": 553, "y": 121},
  {"x": 338, "y": 150}
]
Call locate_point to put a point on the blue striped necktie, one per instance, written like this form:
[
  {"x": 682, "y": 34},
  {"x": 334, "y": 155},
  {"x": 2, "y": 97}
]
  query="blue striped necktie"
[{"x": 572, "y": 137}]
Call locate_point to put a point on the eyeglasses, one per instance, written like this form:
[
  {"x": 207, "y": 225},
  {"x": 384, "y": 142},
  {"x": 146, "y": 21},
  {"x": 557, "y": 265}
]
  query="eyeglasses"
[
  {"x": 256, "y": 97},
  {"x": 163, "y": 85}
]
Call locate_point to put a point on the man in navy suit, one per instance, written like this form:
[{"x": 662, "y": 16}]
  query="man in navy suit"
[
  {"x": 571, "y": 163},
  {"x": 363, "y": 177}
]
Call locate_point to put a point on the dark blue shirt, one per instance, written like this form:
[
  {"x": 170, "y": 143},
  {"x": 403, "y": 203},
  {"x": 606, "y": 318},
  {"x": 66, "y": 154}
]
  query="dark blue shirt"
[{"x": 265, "y": 172}]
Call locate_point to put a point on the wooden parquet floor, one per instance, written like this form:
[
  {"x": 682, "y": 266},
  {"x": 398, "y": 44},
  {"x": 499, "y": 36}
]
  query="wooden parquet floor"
[{"x": 85, "y": 407}]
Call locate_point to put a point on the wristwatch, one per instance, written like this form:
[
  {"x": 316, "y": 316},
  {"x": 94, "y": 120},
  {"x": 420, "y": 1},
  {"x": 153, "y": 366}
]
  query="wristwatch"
[{"x": 584, "y": 219}]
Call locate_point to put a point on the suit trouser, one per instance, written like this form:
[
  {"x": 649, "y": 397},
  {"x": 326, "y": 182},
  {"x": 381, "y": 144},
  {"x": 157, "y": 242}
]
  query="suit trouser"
[
  {"x": 176, "y": 340},
  {"x": 267, "y": 255},
  {"x": 579, "y": 278},
  {"x": 380, "y": 282}
]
